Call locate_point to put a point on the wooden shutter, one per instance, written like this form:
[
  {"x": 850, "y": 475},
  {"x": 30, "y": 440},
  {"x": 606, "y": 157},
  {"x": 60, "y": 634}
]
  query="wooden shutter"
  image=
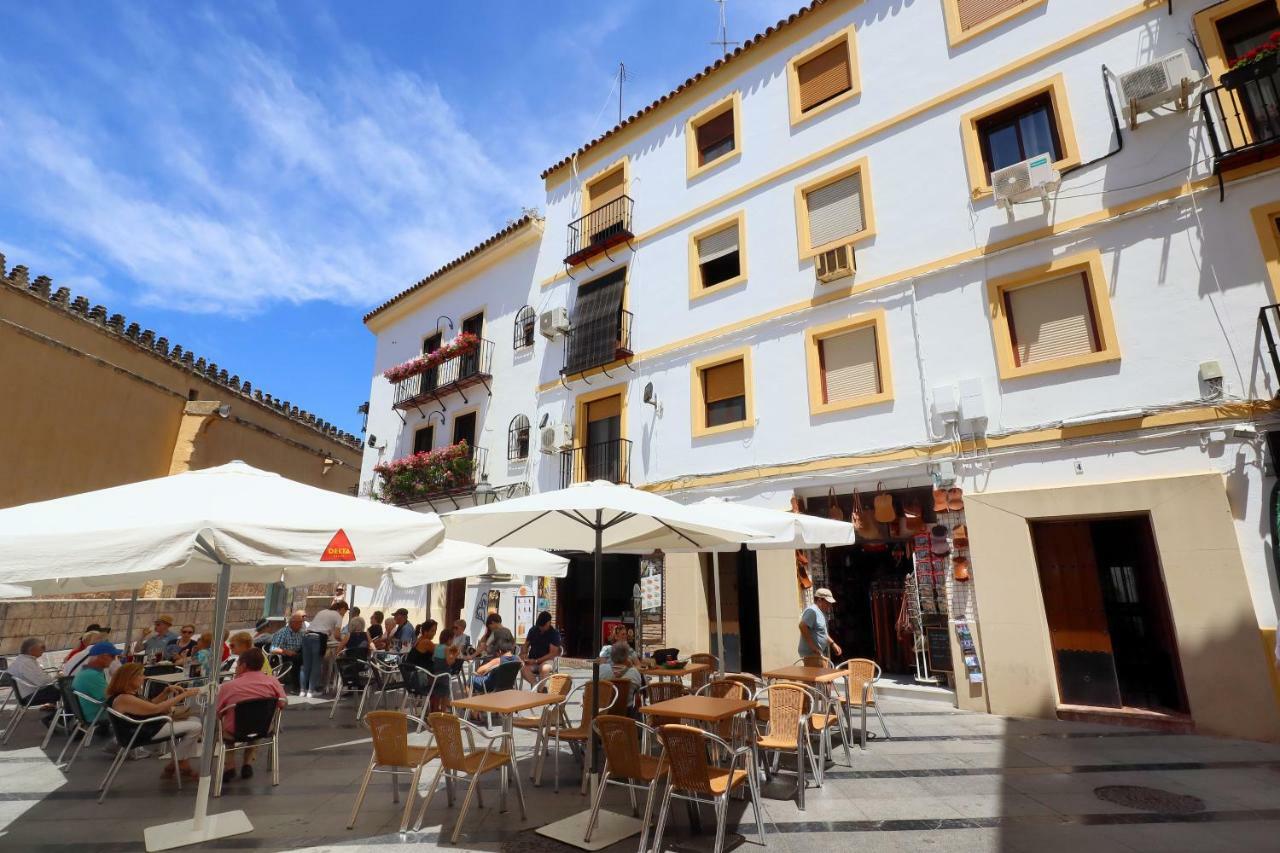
[
  {"x": 607, "y": 407},
  {"x": 718, "y": 244},
  {"x": 835, "y": 211},
  {"x": 850, "y": 365},
  {"x": 724, "y": 382},
  {"x": 824, "y": 76},
  {"x": 975, "y": 12},
  {"x": 714, "y": 132},
  {"x": 606, "y": 189},
  {"x": 1051, "y": 320}
]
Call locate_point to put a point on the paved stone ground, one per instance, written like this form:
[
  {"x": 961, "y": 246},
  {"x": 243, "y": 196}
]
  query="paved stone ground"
[{"x": 947, "y": 781}]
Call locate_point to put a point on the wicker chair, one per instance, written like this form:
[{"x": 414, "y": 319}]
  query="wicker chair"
[
  {"x": 603, "y": 696},
  {"x": 660, "y": 691},
  {"x": 626, "y": 765},
  {"x": 393, "y": 754},
  {"x": 621, "y": 703},
  {"x": 755, "y": 684},
  {"x": 459, "y": 762},
  {"x": 859, "y": 682},
  {"x": 692, "y": 778},
  {"x": 547, "y": 720},
  {"x": 698, "y": 679},
  {"x": 789, "y": 709},
  {"x": 815, "y": 660},
  {"x": 731, "y": 729}
]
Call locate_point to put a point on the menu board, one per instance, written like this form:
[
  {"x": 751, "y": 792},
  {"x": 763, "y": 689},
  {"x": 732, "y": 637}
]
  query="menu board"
[
  {"x": 524, "y": 616},
  {"x": 939, "y": 644}
]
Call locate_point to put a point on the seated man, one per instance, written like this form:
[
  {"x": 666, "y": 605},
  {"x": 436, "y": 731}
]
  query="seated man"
[
  {"x": 155, "y": 643},
  {"x": 505, "y": 646},
  {"x": 287, "y": 642},
  {"x": 91, "y": 677},
  {"x": 623, "y": 667},
  {"x": 249, "y": 683},
  {"x": 72, "y": 664},
  {"x": 34, "y": 685},
  {"x": 541, "y": 650}
]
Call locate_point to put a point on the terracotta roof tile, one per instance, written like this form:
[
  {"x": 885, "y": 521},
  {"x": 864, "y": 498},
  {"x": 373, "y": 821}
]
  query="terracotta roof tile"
[
  {"x": 701, "y": 75},
  {"x": 461, "y": 259}
]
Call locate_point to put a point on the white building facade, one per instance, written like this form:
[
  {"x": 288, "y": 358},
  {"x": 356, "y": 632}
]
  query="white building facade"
[{"x": 939, "y": 252}]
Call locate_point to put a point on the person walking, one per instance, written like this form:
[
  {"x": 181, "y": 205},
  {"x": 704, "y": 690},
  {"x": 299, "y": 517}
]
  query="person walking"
[{"x": 815, "y": 640}]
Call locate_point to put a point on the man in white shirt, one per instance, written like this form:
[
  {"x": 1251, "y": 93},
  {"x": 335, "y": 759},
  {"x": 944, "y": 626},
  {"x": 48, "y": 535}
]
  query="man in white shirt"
[
  {"x": 75, "y": 661},
  {"x": 34, "y": 684},
  {"x": 324, "y": 625}
]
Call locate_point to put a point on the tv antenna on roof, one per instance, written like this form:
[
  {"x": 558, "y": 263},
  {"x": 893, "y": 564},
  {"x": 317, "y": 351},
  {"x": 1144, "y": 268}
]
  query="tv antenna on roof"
[{"x": 724, "y": 32}]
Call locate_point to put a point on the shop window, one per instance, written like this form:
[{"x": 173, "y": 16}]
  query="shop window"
[
  {"x": 823, "y": 76},
  {"x": 721, "y": 393},
  {"x": 1035, "y": 120},
  {"x": 525, "y": 322},
  {"x": 834, "y": 210},
  {"x": 969, "y": 18},
  {"x": 424, "y": 439},
  {"x": 717, "y": 257},
  {"x": 1053, "y": 317},
  {"x": 848, "y": 364},
  {"x": 714, "y": 135}
]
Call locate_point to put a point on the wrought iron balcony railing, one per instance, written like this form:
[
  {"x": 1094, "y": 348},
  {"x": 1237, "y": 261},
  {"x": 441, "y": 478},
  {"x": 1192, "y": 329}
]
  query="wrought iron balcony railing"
[
  {"x": 446, "y": 473},
  {"x": 598, "y": 231},
  {"x": 454, "y": 374},
  {"x": 1243, "y": 120},
  {"x": 595, "y": 343},
  {"x": 600, "y": 460},
  {"x": 1269, "y": 320}
]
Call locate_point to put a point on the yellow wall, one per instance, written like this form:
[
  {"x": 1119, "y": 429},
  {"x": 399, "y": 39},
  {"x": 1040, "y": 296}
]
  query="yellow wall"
[
  {"x": 87, "y": 409},
  {"x": 1227, "y": 676}
]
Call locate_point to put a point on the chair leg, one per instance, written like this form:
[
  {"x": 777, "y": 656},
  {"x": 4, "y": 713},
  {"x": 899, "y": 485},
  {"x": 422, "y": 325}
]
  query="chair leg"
[
  {"x": 635, "y": 811},
  {"x": 18, "y": 713},
  {"x": 753, "y": 781},
  {"x": 595, "y": 802},
  {"x": 410, "y": 799},
  {"x": 364, "y": 787},
  {"x": 466, "y": 804},
  {"x": 864, "y": 725},
  {"x": 173, "y": 751},
  {"x": 219, "y": 762},
  {"x": 722, "y": 813},
  {"x": 67, "y": 745},
  {"x": 662, "y": 819},
  {"x": 648, "y": 813},
  {"x": 515, "y": 774},
  {"x": 111, "y": 773},
  {"x": 53, "y": 724},
  {"x": 883, "y": 724},
  {"x": 435, "y": 783}
]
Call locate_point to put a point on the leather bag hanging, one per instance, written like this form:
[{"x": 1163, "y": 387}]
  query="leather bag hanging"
[
  {"x": 834, "y": 511},
  {"x": 885, "y": 513},
  {"x": 864, "y": 526},
  {"x": 912, "y": 518}
]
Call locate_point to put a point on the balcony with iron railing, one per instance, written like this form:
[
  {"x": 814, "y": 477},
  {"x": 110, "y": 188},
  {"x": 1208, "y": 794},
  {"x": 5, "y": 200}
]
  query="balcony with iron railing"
[
  {"x": 1242, "y": 117},
  {"x": 1269, "y": 320},
  {"x": 599, "y": 460},
  {"x": 599, "y": 231},
  {"x": 452, "y": 375},
  {"x": 596, "y": 343},
  {"x": 447, "y": 474}
]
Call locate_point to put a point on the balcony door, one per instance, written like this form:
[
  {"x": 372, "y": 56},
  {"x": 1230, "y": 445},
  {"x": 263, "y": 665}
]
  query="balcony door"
[
  {"x": 597, "y": 323},
  {"x": 469, "y": 365},
  {"x": 431, "y": 379},
  {"x": 464, "y": 429},
  {"x": 604, "y": 439},
  {"x": 1258, "y": 100}
]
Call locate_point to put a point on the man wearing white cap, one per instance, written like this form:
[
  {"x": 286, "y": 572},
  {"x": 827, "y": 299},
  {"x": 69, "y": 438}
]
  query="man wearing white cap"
[{"x": 814, "y": 639}]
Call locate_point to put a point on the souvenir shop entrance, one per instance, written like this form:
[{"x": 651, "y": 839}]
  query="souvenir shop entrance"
[{"x": 894, "y": 587}]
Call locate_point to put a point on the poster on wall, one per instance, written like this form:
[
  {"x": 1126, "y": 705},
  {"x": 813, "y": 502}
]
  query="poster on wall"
[
  {"x": 651, "y": 592},
  {"x": 544, "y": 594},
  {"x": 606, "y": 628},
  {"x": 524, "y": 616}
]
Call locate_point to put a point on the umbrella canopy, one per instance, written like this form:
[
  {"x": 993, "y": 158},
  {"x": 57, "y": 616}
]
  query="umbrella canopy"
[
  {"x": 782, "y": 529},
  {"x": 178, "y": 528},
  {"x": 8, "y": 590},
  {"x": 451, "y": 560},
  {"x": 631, "y": 521}
]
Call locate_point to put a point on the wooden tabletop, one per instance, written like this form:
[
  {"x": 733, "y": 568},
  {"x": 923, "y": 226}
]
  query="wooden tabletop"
[
  {"x": 662, "y": 671},
  {"x": 173, "y": 677},
  {"x": 806, "y": 674},
  {"x": 507, "y": 701},
  {"x": 708, "y": 709}
]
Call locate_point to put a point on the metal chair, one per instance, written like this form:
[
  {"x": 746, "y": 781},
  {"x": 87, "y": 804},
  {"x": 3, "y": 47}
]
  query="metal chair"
[
  {"x": 502, "y": 677},
  {"x": 732, "y": 729},
  {"x": 257, "y": 723},
  {"x": 353, "y": 678},
  {"x": 459, "y": 762},
  {"x": 693, "y": 779},
  {"x": 660, "y": 691},
  {"x": 861, "y": 675},
  {"x": 788, "y": 731},
  {"x": 754, "y": 684},
  {"x": 604, "y": 695},
  {"x": 21, "y": 705},
  {"x": 84, "y": 724},
  {"x": 131, "y": 733},
  {"x": 281, "y": 668},
  {"x": 547, "y": 720},
  {"x": 698, "y": 679},
  {"x": 621, "y": 704},
  {"x": 393, "y": 754},
  {"x": 823, "y": 717},
  {"x": 626, "y": 765},
  {"x": 384, "y": 672},
  {"x": 420, "y": 683}
]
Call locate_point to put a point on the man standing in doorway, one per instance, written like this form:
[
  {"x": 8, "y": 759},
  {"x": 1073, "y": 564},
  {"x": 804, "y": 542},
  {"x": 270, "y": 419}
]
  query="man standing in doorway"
[{"x": 814, "y": 639}]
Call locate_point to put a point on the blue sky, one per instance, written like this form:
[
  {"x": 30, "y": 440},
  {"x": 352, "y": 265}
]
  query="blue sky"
[{"x": 248, "y": 179}]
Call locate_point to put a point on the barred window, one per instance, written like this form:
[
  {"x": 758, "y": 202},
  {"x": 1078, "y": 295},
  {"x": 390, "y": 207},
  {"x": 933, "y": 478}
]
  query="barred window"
[{"x": 518, "y": 438}]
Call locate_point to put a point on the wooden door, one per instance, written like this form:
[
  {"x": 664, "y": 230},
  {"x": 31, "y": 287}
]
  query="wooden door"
[{"x": 1076, "y": 613}]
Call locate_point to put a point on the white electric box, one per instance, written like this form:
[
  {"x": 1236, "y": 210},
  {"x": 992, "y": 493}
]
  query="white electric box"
[
  {"x": 946, "y": 403},
  {"x": 973, "y": 405}
]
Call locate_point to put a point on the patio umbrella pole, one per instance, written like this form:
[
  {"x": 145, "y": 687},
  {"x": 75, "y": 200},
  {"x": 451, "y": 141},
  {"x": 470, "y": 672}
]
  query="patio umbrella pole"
[
  {"x": 590, "y": 765},
  {"x": 715, "y": 585},
  {"x": 128, "y": 631}
]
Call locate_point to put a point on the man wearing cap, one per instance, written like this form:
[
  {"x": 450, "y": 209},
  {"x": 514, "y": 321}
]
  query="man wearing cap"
[
  {"x": 814, "y": 639},
  {"x": 157, "y": 641},
  {"x": 91, "y": 677},
  {"x": 400, "y": 635}
]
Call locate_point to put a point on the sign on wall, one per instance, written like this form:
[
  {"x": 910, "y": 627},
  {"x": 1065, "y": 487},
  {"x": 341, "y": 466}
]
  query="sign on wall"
[{"x": 524, "y": 616}]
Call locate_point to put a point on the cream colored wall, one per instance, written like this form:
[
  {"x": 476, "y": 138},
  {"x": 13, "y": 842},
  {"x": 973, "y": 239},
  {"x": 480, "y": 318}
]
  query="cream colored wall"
[
  {"x": 779, "y": 608},
  {"x": 1226, "y": 673},
  {"x": 686, "y": 604}
]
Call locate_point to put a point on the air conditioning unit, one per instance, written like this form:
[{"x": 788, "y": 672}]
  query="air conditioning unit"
[
  {"x": 555, "y": 437},
  {"x": 1025, "y": 180},
  {"x": 553, "y": 323},
  {"x": 1167, "y": 80},
  {"x": 835, "y": 263}
]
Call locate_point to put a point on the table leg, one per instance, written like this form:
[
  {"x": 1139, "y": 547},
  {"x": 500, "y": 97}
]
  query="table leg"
[{"x": 507, "y": 725}]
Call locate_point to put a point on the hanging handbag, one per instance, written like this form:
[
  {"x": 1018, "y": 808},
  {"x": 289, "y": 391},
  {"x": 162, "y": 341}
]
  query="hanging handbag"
[
  {"x": 912, "y": 518},
  {"x": 802, "y": 570},
  {"x": 864, "y": 526},
  {"x": 960, "y": 568},
  {"x": 885, "y": 513},
  {"x": 834, "y": 511}
]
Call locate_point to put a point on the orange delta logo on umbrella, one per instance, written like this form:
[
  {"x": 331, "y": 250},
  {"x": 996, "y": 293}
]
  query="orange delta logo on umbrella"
[{"x": 339, "y": 549}]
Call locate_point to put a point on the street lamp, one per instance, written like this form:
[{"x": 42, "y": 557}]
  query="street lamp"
[{"x": 485, "y": 492}]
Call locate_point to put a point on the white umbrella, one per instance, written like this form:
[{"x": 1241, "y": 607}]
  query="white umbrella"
[
  {"x": 782, "y": 531},
  {"x": 232, "y": 521},
  {"x": 596, "y": 517},
  {"x": 453, "y": 559},
  {"x": 8, "y": 590}
]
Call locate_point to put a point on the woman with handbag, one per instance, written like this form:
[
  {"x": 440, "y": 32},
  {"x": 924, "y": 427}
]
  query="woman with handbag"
[{"x": 122, "y": 697}]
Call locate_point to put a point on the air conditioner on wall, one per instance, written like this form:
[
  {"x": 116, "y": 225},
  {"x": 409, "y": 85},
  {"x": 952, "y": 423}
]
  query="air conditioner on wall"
[
  {"x": 553, "y": 323},
  {"x": 555, "y": 437},
  {"x": 835, "y": 263},
  {"x": 1031, "y": 178},
  {"x": 1167, "y": 80}
]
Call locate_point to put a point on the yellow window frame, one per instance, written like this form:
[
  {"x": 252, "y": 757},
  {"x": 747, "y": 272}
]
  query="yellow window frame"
[
  {"x": 698, "y": 404},
  {"x": 813, "y": 337},
  {"x": 696, "y": 290},
  {"x": 956, "y": 36},
  {"x": 693, "y": 168},
  {"x": 803, "y": 247},
  {"x": 849, "y": 35}
]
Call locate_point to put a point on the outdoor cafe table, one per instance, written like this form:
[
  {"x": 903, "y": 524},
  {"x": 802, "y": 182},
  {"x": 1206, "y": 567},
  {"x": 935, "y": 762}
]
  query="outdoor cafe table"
[
  {"x": 803, "y": 674},
  {"x": 704, "y": 709},
  {"x": 656, "y": 671},
  {"x": 506, "y": 704}
]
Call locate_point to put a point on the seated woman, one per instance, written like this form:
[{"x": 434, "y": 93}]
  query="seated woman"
[
  {"x": 424, "y": 646},
  {"x": 241, "y": 642},
  {"x": 618, "y": 635},
  {"x": 444, "y": 659},
  {"x": 250, "y": 682},
  {"x": 185, "y": 647},
  {"x": 505, "y": 646},
  {"x": 121, "y": 697},
  {"x": 355, "y": 639}
]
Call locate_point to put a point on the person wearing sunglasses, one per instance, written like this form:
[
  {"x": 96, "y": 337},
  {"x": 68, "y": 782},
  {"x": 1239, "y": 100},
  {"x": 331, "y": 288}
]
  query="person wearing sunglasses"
[{"x": 186, "y": 644}]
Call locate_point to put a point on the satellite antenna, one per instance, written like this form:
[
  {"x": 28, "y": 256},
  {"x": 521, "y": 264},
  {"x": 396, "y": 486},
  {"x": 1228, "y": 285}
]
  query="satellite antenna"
[{"x": 724, "y": 32}]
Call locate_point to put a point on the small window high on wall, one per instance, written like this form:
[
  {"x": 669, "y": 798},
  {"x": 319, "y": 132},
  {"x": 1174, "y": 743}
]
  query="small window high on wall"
[
  {"x": 722, "y": 393},
  {"x": 967, "y": 19},
  {"x": 518, "y": 438},
  {"x": 717, "y": 257},
  {"x": 823, "y": 76}
]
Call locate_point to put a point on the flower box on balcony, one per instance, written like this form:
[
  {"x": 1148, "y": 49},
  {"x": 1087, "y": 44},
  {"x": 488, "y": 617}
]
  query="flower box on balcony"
[
  {"x": 419, "y": 476},
  {"x": 464, "y": 344},
  {"x": 1255, "y": 65}
]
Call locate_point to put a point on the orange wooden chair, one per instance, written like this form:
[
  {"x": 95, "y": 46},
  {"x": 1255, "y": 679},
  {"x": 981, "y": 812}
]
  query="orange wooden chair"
[
  {"x": 693, "y": 778},
  {"x": 393, "y": 754},
  {"x": 861, "y": 675},
  {"x": 459, "y": 761}
]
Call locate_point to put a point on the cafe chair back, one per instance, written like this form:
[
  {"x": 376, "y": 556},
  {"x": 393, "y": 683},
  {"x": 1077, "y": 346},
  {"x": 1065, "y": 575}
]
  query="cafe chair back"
[
  {"x": 393, "y": 754},
  {"x": 463, "y": 761},
  {"x": 693, "y": 778},
  {"x": 660, "y": 691},
  {"x": 788, "y": 731},
  {"x": 859, "y": 694},
  {"x": 627, "y": 765},
  {"x": 131, "y": 733},
  {"x": 257, "y": 723},
  {"x": 83, "y": 724}
]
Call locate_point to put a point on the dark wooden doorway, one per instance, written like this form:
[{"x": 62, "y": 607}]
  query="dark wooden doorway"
[
  {"x": 740, "y": 604},
  {"x": 1108, "y": 613},
  {"x": 454, "y": 594}
]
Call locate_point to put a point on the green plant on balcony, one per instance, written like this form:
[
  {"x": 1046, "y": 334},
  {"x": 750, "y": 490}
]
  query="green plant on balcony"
[{"x": 419, "y": 476}]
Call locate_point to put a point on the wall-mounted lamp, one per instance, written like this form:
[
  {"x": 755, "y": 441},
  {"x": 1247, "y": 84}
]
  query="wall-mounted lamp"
[{"x": 444, "y": 317}]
